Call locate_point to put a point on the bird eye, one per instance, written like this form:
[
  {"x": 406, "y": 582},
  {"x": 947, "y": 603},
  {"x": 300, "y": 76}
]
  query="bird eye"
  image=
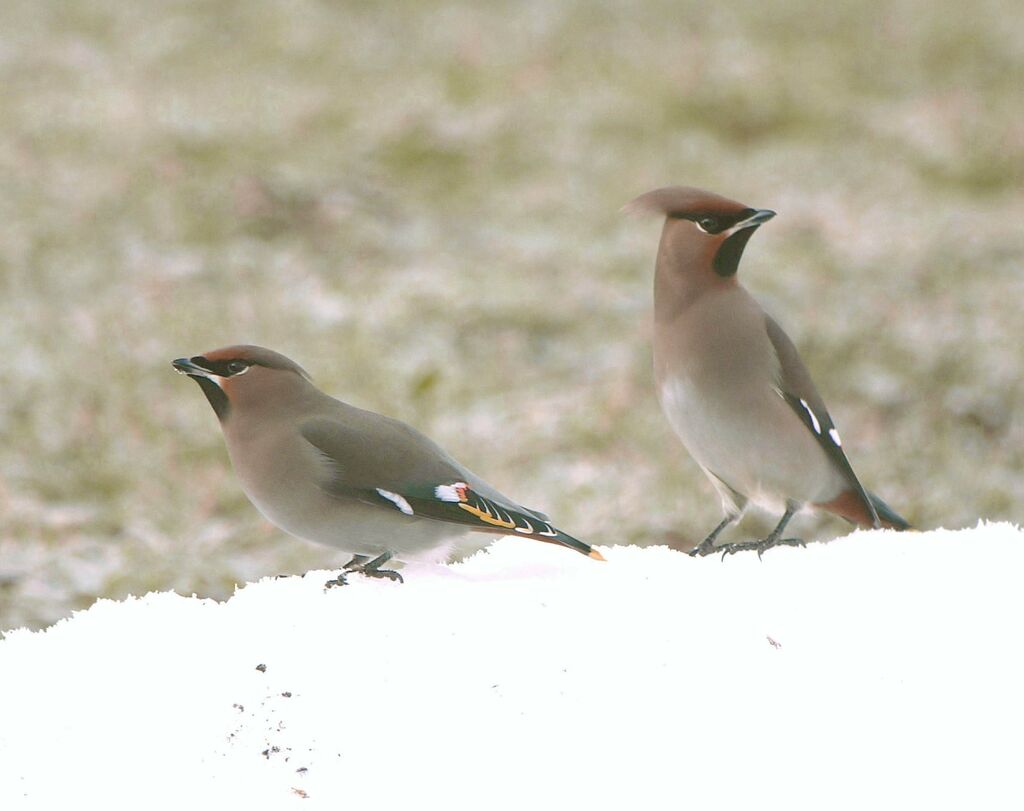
[
  {"x": 236, "y": 367},
  {"x": 709, "y": 225}
]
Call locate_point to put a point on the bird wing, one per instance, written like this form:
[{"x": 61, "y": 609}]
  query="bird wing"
[
  {"x": 388, "y": 464},
  {"x": 797, "y": 389}
]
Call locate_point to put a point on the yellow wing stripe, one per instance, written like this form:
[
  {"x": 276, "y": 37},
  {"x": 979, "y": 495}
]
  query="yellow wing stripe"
[{"x": 487, "y": 517}]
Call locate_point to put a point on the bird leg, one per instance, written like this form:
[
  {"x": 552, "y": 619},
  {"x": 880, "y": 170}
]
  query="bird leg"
[
  {"x": 352, "y": 566},
  {"x": 340, "y": 580},
  {"x": 357, "y": 562},
  {"x": 372, "y": 568},
  {"x": 707, "y": 546},
  {"x": 774, "y": 539},
  {"x": 361, "y": 564}
]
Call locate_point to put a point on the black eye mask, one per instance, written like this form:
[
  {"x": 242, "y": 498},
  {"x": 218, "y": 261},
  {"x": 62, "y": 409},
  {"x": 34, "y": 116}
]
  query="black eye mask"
[{"x": 222, "y": 368}]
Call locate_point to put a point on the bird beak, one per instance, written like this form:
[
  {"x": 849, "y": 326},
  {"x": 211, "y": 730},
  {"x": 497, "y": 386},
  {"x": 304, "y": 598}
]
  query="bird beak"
[
  {"x": 186, "y": 367},
  {"x": 759, "y": 217}
]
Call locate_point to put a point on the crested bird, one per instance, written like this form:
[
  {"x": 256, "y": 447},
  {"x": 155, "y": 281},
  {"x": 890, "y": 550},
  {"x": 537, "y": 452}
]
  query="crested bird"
[
  {"x": 326, "y": 471},
  {"x": 731, "y": 382}
]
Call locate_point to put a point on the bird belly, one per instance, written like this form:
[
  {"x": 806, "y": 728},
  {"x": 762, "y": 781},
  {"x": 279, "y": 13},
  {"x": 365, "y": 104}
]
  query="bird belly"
[
  {"x": 362, "y": 529},
  {"x": 749, "y": 438}
]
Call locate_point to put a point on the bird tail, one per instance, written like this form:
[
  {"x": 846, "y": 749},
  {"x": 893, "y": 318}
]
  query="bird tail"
[
  {"x": 854, "y": 506},
  {"x": 572, "y": 543},
  {"x": 887, "y": 516},
  {"x": 564, "y": 539}
]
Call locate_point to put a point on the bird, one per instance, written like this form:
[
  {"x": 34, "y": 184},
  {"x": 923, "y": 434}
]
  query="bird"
[
  {"x": 329, "y": 472},
  {"x": 732, "y": 384}
]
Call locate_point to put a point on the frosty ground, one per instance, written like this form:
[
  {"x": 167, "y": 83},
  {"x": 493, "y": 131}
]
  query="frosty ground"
[{"x": 881, "y": 670}]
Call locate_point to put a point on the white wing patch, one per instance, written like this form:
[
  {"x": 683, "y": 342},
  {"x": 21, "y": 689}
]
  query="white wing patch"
[
  {"x": 814, "y": 419},
  {"x": 451, "y": 492},
  {"x": 397, "y": 500},
  {"x": 834, "y": 435}
]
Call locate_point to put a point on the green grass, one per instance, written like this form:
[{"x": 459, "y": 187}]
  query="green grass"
[{"x": 419, "y": 202}]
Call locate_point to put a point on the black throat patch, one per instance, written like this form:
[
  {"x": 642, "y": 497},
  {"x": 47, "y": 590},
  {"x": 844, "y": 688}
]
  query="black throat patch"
[
  {"x": 218, "y": 399},
  {"x": 727, "y": 260}
]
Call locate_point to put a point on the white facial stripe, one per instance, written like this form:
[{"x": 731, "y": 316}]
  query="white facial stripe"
[
  {"x": 814, "y": 419},
  {"x": 397, "y": 500},
  {"x": 834, "y": 434}
]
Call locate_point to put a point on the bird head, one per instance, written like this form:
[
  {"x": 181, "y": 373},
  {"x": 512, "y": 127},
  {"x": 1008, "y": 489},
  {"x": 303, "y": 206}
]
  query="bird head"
[
  {"x": 242, "y": 376},
  {"x": 704, "y": 232}
]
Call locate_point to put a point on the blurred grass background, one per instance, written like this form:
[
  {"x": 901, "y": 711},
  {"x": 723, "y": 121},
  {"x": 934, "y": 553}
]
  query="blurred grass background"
[{"x": 419, "y": 203}]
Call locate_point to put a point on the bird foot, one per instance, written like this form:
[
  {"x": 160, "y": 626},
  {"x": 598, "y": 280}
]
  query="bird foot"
[
  {"x": 705, "y": 547},
  {"x": 759, "y": 546},
  {"x": 342, "y": 580},
  {"x": 389, "y": 574},
  {"x": 361, "y": 564}
]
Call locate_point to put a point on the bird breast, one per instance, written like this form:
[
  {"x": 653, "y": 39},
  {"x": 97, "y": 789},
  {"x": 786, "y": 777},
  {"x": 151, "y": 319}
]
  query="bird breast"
[{"x": 717, "y": 382}]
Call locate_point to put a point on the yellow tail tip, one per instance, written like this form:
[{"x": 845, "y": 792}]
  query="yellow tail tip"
[{"x": 596, "y": 555}]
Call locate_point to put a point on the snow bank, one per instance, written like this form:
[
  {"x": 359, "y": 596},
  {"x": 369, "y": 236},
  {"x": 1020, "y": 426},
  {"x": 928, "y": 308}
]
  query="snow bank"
[{"x": 880, "y": 671}]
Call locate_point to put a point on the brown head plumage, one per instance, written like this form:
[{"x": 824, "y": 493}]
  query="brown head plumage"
[
  {"x": 243, "y": 375},
  {"x": 703, "y": 230},
  {"x": 253, "y": 356}
]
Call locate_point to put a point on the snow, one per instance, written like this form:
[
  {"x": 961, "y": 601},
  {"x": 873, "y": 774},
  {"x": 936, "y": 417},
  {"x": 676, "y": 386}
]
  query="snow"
[{"x": 881, "y": 670}]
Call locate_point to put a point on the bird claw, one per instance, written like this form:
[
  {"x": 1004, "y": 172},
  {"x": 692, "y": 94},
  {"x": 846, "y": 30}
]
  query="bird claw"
[
  {"x": 704, "y": 548},
  {"x": 361, "y": 564},
  {"x": 385, "y": 574},
  {"x": 388, "y": 574},
  {"x": 340, "y": 580}
]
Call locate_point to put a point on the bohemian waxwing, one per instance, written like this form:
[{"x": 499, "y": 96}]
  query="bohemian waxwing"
[
  {"x": 325, "y": 471},
  {"x": 732, "y": 384}
]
